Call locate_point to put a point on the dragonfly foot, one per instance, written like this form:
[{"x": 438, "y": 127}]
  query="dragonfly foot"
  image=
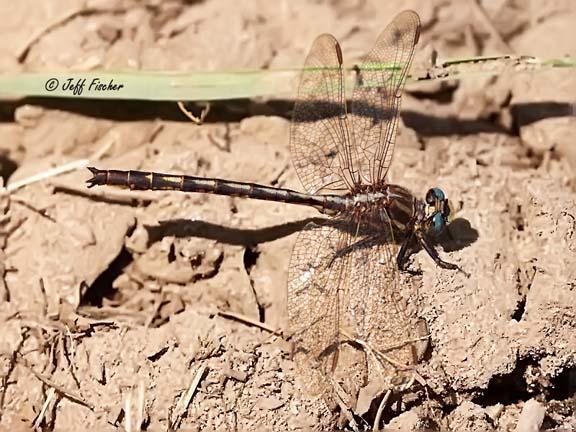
[
  {"x": 402, "y": 263},
  {"x": 413, "y": 272},
  {"x": 450, "y": 266}
]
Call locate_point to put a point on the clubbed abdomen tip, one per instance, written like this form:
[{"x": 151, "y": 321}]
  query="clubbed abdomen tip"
[{"x": 98, "y": 177}]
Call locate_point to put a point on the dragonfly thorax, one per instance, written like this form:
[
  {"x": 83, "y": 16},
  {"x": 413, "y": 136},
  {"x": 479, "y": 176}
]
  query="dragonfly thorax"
[
  {"x": 369, "y": 198},
  {"x": 389, "y": 205}
]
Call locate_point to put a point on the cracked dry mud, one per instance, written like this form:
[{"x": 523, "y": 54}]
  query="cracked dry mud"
[{"x": 111, "y": 300}]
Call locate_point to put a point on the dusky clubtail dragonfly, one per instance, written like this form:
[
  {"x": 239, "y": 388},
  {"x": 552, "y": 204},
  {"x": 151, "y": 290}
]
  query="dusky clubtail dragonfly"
[{"x": 343, "y": 279}]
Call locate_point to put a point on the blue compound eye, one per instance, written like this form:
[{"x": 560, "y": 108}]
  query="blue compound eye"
[
  {"x": 433, "y": 195},
  {"x": 439, "y": 194},
  {"x": 438, "y": 223}
]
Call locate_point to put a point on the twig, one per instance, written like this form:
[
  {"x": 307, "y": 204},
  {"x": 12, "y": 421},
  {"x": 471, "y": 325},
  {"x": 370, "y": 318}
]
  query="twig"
[
  {"x": 383, "y": 403},
  {"x": 23, "y": 51},
  {"x": 342, "y": 399},
  {"x": 404, "y": 343},
  {"x": 68, "y": 394},
  {"x": 186, "y": 398},
  {"x": 378, "y": 353},
  {"x": 70, "y": 166},
  {"x": 135, "y": 425},
  {"x": 195, "y": 119},
  {"x": 42, "y": 413},
  {"x": 247, "y": 320},
  {"x": 67, "y": 167},
  {"x": 140, "y": 418},
  {"x": 67, "y": 16},
  {"x": 26, "y": 203},
  {"x": 128, "y": 411},
  {"x": 118, "y": 196}
]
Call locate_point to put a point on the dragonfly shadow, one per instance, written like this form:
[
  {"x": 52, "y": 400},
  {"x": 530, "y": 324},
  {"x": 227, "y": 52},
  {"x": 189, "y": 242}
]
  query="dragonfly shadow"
[
  {"x": 424, "y": 123},
  {"x": 428, "y": 125},
  {"x": 182, "y": 228},
  {"x": 527, "y": 113},
  {"x": 458, "y": 235}
]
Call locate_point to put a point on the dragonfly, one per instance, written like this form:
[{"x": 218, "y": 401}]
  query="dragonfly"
[{"x": 343, "y": 277}]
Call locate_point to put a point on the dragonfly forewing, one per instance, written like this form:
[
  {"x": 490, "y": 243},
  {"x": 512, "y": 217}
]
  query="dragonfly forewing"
[
  {"x": 377, "y": 94},
  {"x": 320, "y": 133}
]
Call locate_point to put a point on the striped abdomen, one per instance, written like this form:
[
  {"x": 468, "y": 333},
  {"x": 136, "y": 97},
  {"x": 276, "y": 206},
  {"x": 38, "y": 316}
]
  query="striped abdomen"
[{"x": 140, "y": 180}]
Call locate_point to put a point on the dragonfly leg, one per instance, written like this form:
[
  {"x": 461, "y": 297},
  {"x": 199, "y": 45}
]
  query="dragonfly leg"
[
  {"x": 434, "y": 255},
  {"x": 402, "y": 257},
  {"x": 360, "y": 243}
]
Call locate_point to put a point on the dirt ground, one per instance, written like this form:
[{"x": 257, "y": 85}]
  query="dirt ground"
[{"x": 115, "y": 305}]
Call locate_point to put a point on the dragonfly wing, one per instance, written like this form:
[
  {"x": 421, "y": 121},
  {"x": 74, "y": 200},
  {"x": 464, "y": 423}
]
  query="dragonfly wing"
[
  {"x": 378, "y": 312},
  {"x": 315, "y": 302},
  {"x": 320, "y": 137},
  {"x": 377, "y": 95},
  {"x": 343, "y": 285}
]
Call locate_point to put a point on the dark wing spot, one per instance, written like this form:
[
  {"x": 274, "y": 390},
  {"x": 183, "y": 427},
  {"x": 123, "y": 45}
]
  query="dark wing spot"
[
  {"x": 359, "y": 77},
  {"x": 339, "y": 54},
  {"x": 331, "y": 154}
]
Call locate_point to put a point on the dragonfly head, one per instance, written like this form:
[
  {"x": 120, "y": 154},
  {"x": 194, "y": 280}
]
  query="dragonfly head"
[{"x": 438, "y": 211}]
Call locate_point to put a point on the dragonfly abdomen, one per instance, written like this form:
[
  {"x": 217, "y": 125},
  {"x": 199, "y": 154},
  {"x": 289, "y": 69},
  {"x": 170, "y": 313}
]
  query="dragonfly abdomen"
[{"x": 143, "y": 180}]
